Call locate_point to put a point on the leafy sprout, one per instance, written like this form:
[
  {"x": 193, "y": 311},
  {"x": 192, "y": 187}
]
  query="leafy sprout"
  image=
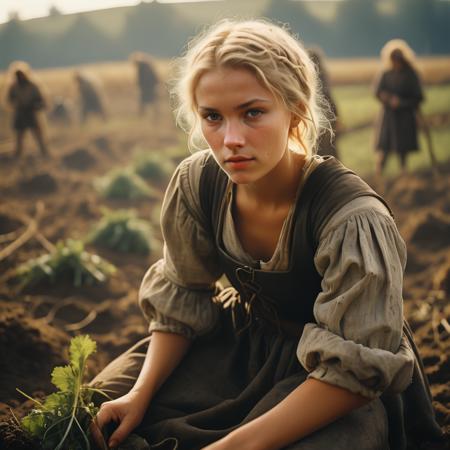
[
  {"x": 122, "y": 231},
  {"x": 125, "y": 185},
  {"x": 68, "y": 261},
  {"x": 62, "y": 420}
]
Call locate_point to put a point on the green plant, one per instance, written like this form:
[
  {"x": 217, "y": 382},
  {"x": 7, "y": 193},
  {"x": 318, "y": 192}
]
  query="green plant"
[
  {"x": 68, "y": 260},
  {"x": 156, "y": 167},
  {"x": 121, "y": 230},
  {"x": 62, "y": 420},
  {"x": 125, "y": 185}
]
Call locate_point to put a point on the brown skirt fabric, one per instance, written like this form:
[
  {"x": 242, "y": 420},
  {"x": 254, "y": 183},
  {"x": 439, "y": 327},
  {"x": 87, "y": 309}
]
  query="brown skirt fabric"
[{"x": 228, "y": 379}]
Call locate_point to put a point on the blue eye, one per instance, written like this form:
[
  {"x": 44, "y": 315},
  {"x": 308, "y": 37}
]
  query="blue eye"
[
  {"x": 254, "y": 113},
  {"x": 212, "y": 117}
]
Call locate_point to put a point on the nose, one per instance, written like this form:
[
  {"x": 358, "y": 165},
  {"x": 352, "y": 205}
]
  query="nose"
[{"x": 234, "y": 135}]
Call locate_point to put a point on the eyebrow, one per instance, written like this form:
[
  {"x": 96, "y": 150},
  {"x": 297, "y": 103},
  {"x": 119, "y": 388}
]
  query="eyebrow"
[{"x": 241, "y": 106}]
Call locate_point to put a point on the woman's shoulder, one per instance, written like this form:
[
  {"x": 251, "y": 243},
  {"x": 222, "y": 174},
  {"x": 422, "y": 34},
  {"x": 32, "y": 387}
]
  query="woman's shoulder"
[
  {"x": 193, "y": 165},
  {"x": 189, "y": 170},
  {"x": 332, "y": 188},
  {"x": 185, "y": 183}
]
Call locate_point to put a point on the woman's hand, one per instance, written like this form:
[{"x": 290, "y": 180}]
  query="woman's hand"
[
  {"x": 394, "y": 102},
  {"x": 126, "y": 411},
  {"x": 164, "y": 353}
]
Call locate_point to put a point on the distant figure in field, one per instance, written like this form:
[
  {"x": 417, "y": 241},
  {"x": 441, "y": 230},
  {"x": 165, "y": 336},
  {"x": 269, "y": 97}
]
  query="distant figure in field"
[
  {"x": 61, "y": 112},
  {"x": 400, "y": 91},
  {"x": 147, "y": 80},
  {"x": 25, "y": 98},
  {"x": 327, "y": 140},
  {"x": 90, "y": 95}
]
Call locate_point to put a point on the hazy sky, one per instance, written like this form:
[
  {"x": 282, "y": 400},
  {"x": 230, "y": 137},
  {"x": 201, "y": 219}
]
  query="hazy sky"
[{"x": 28, "y": 9}]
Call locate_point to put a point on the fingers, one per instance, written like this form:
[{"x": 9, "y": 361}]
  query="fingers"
[
  {"x": 103, "y": 417},
  {"x": 123, "y": 430},
  {"x": 97, "y": 435},
  {"x": 106, "y": 415}
]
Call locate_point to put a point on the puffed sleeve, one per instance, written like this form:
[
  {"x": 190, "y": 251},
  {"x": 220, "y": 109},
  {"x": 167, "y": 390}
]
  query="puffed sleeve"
[
  {"x": 357, "y": 342},
  {"x": 175, "y": 294}
]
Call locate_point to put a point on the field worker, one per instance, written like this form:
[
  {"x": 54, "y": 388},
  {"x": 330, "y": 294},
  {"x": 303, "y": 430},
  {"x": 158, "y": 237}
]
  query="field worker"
[
  {"x": 298, "y": 351},
  {"x": 147, "y": 81},
  {"x": 326, "y": 144},
  {"x": 400, "y": 92},
  {"x": 25, "y": 97},
  {"x": 90, "y": 96},
  {"x": 61, "y": 112}
]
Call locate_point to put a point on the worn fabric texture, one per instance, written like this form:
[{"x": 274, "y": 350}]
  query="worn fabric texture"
[
  {"x": 353, "y": 339},
  {"x": 176, "y": 292},
  {"x": 397, "y": 131},
  {"x": 228, "y": 379}
]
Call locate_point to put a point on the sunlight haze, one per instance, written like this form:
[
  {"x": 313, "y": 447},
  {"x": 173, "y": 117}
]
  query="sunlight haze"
[{"x": 29, "y": 9}]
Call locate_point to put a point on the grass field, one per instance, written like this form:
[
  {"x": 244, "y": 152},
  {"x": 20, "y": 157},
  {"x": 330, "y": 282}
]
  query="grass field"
[
  {"x": 352, "y": 87},
  {"x": 357, "y": 105},
  {"x": 356, "y": 151},
  {"x": 358, "y": 112}
]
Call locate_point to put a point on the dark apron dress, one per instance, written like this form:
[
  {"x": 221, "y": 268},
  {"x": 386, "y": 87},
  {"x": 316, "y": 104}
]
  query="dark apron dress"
[{"x": 249, "y": 363}]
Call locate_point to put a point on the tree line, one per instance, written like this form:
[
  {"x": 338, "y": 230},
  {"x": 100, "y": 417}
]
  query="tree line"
[{"x": 359, "y": 29}]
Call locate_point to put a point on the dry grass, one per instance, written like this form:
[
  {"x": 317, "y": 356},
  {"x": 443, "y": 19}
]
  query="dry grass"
[
  {"x": 433, "y": 70},
  {"x": 119, "y": 77},
  {"x": 118, "y": 81}
]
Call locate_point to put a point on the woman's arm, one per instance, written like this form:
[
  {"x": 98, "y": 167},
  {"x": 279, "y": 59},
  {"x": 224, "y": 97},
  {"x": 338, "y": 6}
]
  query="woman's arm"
[
  {"x": 308, "y": 408},
  {"x": 164, "y": 353}
]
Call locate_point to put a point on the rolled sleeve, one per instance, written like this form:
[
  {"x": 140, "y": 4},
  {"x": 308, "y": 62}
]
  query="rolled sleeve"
[
  {"x": 173, "y": 308},
  {"x": 357, "y": 342},
  {"x": 175, "y": 294}
]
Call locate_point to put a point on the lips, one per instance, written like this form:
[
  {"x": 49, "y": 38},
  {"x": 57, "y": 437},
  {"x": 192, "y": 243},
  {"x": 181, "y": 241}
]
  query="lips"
[
  {"x": 237, "y": 159},
  {"x": 238, "y": 162}
]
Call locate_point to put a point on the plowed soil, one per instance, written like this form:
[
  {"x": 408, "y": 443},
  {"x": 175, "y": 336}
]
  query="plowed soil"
[{"x": 57, "y": 196}]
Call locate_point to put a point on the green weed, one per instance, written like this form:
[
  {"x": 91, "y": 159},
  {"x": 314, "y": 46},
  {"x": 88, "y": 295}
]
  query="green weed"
[
  {"x": 125, "y": 185},
  {"x": 122, "y": 231},
  {"x": 68, "y": 261},
  {"x": 156, "y": 167}
]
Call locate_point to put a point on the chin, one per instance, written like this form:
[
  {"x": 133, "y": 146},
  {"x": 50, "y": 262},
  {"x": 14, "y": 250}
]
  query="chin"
[{"x": 240, "y": 178}]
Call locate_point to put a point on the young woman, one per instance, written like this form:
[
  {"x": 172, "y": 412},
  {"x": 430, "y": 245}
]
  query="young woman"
[
  {"x": 400, "y": 92},
  {"x": 298, "y": 350}
]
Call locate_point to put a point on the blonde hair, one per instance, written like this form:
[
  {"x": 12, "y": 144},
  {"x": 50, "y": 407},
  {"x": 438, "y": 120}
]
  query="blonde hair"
[
  {"x": 395, "y": 45},
  {"x": 279, "y": 62}
]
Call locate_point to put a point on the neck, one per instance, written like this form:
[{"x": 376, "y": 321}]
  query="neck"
[{"x": 279, "y": 187}]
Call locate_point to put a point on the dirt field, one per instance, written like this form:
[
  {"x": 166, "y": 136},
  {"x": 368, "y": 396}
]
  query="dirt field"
[{"x": 51, "y": 199}]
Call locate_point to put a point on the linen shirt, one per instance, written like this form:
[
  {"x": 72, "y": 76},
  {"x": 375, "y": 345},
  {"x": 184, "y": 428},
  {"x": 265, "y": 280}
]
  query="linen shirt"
[{"x": 356, "y": 342}]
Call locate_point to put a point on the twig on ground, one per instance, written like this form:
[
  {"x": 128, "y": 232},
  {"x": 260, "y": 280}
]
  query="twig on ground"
[
  {"x": 446, "y": 325},
  {"x": 8, "y": 237},
  {"x": 82, "y": 323},
  {"x": 32, "y": 229}
]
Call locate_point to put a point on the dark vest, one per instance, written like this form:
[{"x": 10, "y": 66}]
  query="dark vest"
[
  {"x": 285, "y": 295},
  {"x": 290, "y": 294}
]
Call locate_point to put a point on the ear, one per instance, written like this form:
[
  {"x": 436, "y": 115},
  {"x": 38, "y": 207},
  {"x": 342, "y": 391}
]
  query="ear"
[{"x": 295, "y": 120}]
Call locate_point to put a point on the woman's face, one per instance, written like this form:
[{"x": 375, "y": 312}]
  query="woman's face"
[{"x": 246, "y": 127}]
